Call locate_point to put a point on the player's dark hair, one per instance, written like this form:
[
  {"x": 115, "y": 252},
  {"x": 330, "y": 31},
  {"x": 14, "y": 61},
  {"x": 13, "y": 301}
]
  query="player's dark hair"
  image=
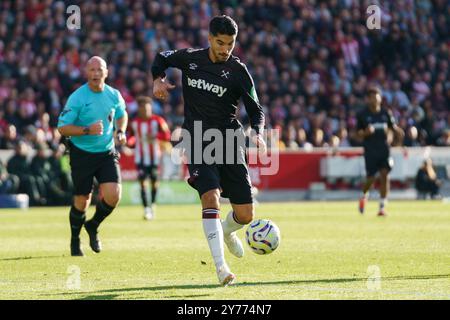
[
  {"x": 223, "y": 25},
  {"x": 143, "y": 100}
]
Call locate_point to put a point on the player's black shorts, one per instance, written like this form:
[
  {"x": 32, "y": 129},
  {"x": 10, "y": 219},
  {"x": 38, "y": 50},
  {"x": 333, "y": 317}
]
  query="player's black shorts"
[
  {"x": 232, "y": 179},
  {"x": 226, "y": 171},
  {"x": 145, "y": 172},
  {"x": 104, "y": 166},
  {"x": 376, "y": 161}
]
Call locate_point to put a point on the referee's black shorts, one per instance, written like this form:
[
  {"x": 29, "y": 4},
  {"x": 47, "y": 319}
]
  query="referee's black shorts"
[{"x": 104, "y": 166}]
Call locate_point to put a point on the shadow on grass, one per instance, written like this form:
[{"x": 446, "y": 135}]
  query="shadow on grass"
[
  {"x": 112, "y": 293},
  {"x": 186, "y": 296},
  {"x": 29, "y": 258},
  {"x": 99, "y": 297},
  {"x": 114, "y": 296}
]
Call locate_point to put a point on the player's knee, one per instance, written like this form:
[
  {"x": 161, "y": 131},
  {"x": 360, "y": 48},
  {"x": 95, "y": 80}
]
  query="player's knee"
[
  {"x": 111, "y": 195},
  {"x": 81, "y": 202},
  {"x": 210, "y": 199},
  {"x": 246, "y": 215},
  {"x": 113, "y": 199},
  {"x": 245, "y": 220}
]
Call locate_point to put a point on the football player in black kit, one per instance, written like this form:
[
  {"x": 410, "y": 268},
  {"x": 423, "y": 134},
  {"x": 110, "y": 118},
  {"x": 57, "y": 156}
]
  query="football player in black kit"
[
  {"x": 373, "y": 125},
  {"x": 213, "y": 83}
]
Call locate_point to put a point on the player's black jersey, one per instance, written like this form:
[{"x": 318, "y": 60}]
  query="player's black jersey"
[
  {"x": 212, "y": 90},
  {"x": 381, "y": 121}
]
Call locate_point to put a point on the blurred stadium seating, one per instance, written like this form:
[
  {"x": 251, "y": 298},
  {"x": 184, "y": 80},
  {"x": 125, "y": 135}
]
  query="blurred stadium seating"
[{"x": 311, "y": 61}]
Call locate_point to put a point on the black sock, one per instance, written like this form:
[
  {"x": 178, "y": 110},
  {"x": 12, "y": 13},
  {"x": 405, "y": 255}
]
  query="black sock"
[
  {"x": 154, "y": 190},
  {"x": 101, "y": 212},
  {"x": 77, "y": 219},
  {"x": 144, "y": 197}
]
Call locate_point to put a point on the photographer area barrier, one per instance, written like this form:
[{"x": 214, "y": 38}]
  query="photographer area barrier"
[{"x": 299, "y": 170}]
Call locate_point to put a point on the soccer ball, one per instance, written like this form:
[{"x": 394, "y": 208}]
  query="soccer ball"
[{"x": 263, "y": 236}]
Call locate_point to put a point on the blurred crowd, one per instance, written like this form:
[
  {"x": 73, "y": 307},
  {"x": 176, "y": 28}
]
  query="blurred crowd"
[
  {"x": 44, "y": 177},
  {"x": 311, "y": 60}
]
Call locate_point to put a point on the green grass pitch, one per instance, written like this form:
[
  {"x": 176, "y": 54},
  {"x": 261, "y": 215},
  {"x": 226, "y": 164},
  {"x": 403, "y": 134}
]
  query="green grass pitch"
[{"x": 328, "y": 251}]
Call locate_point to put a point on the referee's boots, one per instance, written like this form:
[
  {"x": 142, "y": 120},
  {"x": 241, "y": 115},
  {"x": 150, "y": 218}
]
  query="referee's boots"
[
  {"x": 92, "y": 231},
  {"x": 75, "y": 248}
]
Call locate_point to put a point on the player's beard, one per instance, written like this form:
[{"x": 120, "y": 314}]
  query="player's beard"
[{"x": 223, "y": 58}]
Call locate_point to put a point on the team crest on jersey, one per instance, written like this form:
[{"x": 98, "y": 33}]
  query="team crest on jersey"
[
  {"x": 167, "y": 53},
  {"x": 193, "y": 66},
  {"x": 225, "y": 74}
]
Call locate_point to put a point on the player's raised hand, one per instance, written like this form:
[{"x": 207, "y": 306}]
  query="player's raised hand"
[
  {"x": 161, "y": 88},
  {"x": 96, "y": 128}
]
